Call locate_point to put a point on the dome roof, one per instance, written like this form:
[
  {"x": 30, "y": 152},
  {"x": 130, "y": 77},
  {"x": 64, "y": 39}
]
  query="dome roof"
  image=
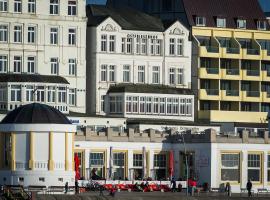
[{"x": 35, "y": 113}]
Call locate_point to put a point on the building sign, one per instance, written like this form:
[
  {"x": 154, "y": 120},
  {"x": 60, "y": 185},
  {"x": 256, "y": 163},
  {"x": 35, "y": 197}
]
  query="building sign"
[
  {"x": 74, "y": 120},
  {"x": 133, "y": 35}
]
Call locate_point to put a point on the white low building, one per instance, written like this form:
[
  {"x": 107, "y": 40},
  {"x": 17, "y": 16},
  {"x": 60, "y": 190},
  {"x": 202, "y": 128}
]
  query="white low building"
[
  {"x": 45, "y": 38},
  {"x": 37, "y": 147},
  {"x": 141, "y": 51}
]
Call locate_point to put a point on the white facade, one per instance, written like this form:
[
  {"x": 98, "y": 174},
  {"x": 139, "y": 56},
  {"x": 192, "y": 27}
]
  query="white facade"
[
  {"x": 48, "y": 38},
  {"x": 135, "y": 57}
]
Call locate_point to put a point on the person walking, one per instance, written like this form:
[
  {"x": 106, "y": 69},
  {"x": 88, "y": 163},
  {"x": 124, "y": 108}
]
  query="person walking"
[
  {"x": 76, "y": 187},
  {"x": 249, "y": 187},
  {"x": 66, "y": 187},
  {"x": 228, "y": 189},
  {"x": 173, "y": 183}
]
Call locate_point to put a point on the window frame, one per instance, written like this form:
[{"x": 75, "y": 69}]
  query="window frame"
[
  {"x": 4, "y": 63},
  {"x": 259, "y": 23},
  {"x": 4, "y": 33},
  {"x": 261, "y": 168},
  {"x": 200, "y": 21},
  {"x": 4, "y": 5},
  {"x": 31, "y": 64},
  {"x": 17, "y": 34},
  {"x": 72, "y": 36},
  {"x": 31, "y": 6},
  {"x": 233, "y": 168},
  {"x": 221, "y": 22},
  {"x": 54, "y": 7},
  {"x": 72, "y": 10},
  {"x": 17, "y": 6},
  {"x": 239, "y": 21}
]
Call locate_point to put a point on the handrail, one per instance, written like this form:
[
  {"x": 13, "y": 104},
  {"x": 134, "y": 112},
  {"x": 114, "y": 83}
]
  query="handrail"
[
  {"x": 212, "y": 92},
  {"x": 253, "y": 93},
  {"x": 212, "y": 49},
  {"x": 253, "y": 51},
  {"x": 253, "y": 72},
  {"x": 233, "y": 50},
  {"x": 212, "y": 70}
]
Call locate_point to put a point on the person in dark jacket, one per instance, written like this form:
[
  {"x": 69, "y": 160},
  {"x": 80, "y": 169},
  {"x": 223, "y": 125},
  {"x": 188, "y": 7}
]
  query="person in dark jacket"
[
  {"x": 249, "y": 187},
  {"x": 173, "y": 183},
  {"x": 66, "y": 187}
]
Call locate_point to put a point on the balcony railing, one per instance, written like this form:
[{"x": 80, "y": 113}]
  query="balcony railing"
[
  {"x": 212, "y": 49},
  {"x": 232, "y": 92},
  {"x": 212, "y": 70},
  {"x": 268, "y": 73},
  {"x": 268, "y": 52},
  {"x": 232, "y": 72},
  {"x": 212, "y": 92},
  {"x": 253, "y": 51},
  {"x": 253, "y": 72},
  {"x": 233, "y": 50},
  {"x": 253, "y": 93}
]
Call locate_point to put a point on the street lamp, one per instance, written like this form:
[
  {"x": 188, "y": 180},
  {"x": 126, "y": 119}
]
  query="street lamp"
[{"x": 186, "y": 159}]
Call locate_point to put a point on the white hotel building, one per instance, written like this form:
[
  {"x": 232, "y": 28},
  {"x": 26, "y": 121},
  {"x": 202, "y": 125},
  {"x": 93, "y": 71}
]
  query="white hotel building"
[
  {"x": 42, "y": 53},
  {"x": 138, "y": 67}
]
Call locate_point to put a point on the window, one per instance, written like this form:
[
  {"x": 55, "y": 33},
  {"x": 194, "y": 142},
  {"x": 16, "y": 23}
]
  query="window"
[
  {"x": 119, "y": 166},
  {"x": 111, "y": 73},
  {"x": 128, "y": 104},
  {"x": 144, "y": 46},
  {"x": 17, "y": 6},
  {"x": 32, "y": 6},
  {"x": 261, "y": 25},
  {"x": 29, "y": 93},
  {"x": 160, "y": 164},
  {"x": 188, "y": 106},
  {"x": 72, "y": 36},
  {"x": 54, "y": 36},
  {"x": 158, "y": 47},
  {"x": 156, "y": 105},
  {"x": 169, "y": 106},
  {"x": 72, "y": 96},
  {"x": 15, "y": 93},
  {"x": 54, "y": 7},
  {"x": 180, "y": 47},
  {"x": 62, "y": 95},
  {"x": 149, "y": 105},
  {"x": 72, "y": 8},
  {"x": 31, "y": 64},
  {"x": 134, "y": 104},
  {"x": 142, "y": 104},
  {"x": 51, "y": 94},
  {"x": 3, "y": 33},
  {"x": 129, "y": 45},
  {"x": 126, "y": 73},
  {"x": 155, "y": 75},
  {"x": 123, "y": 47},
  {"x": 180, "y": 76},
  {"x": 112, "y": 43},
  {"x": 17, "y": 33},
  {"x": 172, "y": 76},
  {"x": 137, "y": 160},
  {"x": 268, "y": 168},
  {"x": 200, "y": 21},
  {"x": 141, "y": 74},
  {"x": 172, "y": 46},
  {"x": 3, "y": 94},
  {"x": 254, "y": 167},
  {"x": 17, "y": 64},
  {"x": 97, "y": 163},
  {"x": 3, "y": 5},
  {"x": 3, "y": 63},
  {"x": 54, "y": 66},
  {"x": 102, "y": 103},
  {"x": 182, "y": 106},
  {"x": 221, "y": 22},
  {"x": 241, "y": 23},
  {"x": 230, "y": 167},
  {"x": 138, "y": 45},
  {"x": 162, "y": 108},
  {"x": 116, "y": 104},
  {"x": 152, "y": 47},
  {"x": 40, "y": 92},
  {"x": 103, "y": 73},
  {"x": 31, "y": 38},
  {"x": 104, "y": 43},
  {"x": 72, "y": 67}
]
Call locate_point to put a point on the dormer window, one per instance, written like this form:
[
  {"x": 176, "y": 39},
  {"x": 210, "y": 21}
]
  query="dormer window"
[
  {"x": 261, "y": 25},
  {"x": 200, "y": 21},
  {"x": 241, "y": 23},
  {"x": 221, "y": 22}
]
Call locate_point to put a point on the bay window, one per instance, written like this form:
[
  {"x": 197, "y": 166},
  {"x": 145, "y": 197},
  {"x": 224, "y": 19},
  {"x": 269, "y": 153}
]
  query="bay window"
[
  {"x": 62, "y": 95},
  {"x": 135, "y": 104},
  {"x": 116, "y": 104},
  {"x": 128, "y": 104},
  {"x": 162, "y": 106},
  {"x": 40, "y": 92},
  {"x": 51, "y": 94},
  {"x": 15, "y": 93},
  {"x": 72, "y": 96},
  {"x": 156, "y": 105},
  {"x": 29, "y": 93},
  {"x": 142, "y": 104},
  {"x": 149, "y": 105}
]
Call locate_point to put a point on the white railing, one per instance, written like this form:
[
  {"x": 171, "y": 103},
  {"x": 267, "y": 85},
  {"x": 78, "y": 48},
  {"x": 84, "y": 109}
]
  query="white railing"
[{"x": 41, "y": 165}]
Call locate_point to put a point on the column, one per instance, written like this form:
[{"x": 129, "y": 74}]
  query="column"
[
  {"x": 87, "y": 164},
  {"x": 130, "y": 164},
  {"x": 13, "y": 151},
  {"x": 73, "y": 164},
  {"x": 244, "y": 178},
  {"x": 66, "y": 152},
  {"x": 31, "y": 153},
  {"x": 265, "y": 169},
  {"x": 151, "y": 163},
  {"x": 51, "y": 163}
]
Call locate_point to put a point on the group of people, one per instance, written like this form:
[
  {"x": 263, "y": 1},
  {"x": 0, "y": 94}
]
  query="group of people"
[{"x": 192, "y": 186}]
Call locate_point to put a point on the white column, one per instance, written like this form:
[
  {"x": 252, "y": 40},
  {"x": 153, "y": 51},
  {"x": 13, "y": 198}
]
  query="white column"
[
  {"x": 151, "y": 163},
  {"x": 87, "y": 164},
  {"x": 265, "y": 183},
  {"x": 130, "y": 164},
  {"x": 244, "y": 169}
]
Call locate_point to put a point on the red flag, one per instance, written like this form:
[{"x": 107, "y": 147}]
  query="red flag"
[
  {"x": 77, "y": 165},
  {"x": 171, "y": 164}
]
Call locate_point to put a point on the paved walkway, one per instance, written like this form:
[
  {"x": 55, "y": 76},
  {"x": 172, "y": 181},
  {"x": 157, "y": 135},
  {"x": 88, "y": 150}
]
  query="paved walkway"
[{"x": 145, "y": 196}]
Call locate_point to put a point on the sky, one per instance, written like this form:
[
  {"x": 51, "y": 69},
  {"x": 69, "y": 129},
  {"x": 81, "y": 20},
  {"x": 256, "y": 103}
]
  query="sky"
[{"x": 264, "y": 3}]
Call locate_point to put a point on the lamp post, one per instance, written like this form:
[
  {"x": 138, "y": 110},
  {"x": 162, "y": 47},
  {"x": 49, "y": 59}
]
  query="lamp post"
[{"x": 186, "y": 160}]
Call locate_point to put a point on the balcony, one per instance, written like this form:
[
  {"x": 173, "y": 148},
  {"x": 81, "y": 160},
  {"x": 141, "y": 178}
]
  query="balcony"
[
  {"x": 265, "y": 54},
  {"x": 233, "y": 116},
  {"x": 231, "y": 95},
  {"x": 209, "y": 51},
  {"x": 209, "y": 73},
  {"x": 209, "y": 94},
  {"x": 233, "y": 53},
  {"x": 266, "y": 75},
  {"x": 251, "y": 75},
  {"x": 266, "y": 97},
  {"x": 230, "y": 74},
  {"x": 252, "y": 96},
  {"x": 252, "y": 54}
]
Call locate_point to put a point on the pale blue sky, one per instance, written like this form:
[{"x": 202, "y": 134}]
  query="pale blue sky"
[{"x": 265, "y": 3}]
